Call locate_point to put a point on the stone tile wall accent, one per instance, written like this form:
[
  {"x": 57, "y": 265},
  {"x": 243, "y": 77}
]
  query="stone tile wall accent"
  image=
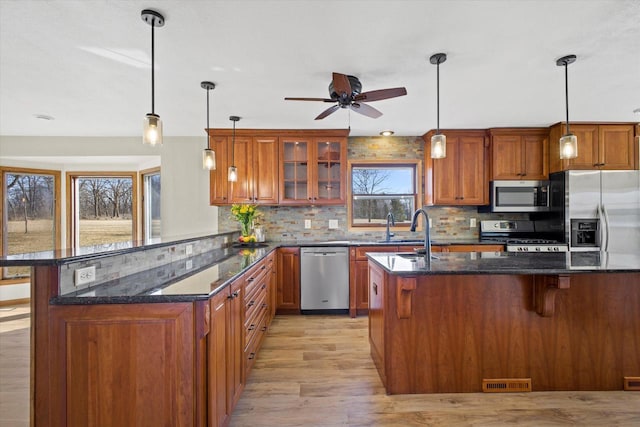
[
  {"x": 112, "y": 267},
  {"x": 286, "y": 223}
]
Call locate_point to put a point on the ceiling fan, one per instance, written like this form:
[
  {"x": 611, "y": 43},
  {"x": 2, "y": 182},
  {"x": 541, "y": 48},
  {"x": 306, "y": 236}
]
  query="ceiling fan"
[{"x": 345, "y": 91}]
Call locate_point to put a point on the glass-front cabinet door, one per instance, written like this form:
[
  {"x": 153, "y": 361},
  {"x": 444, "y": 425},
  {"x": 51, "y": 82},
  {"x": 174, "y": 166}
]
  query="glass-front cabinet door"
[
  {"x": 330, "y": 167},
  {"x": 295, "y": 171}
]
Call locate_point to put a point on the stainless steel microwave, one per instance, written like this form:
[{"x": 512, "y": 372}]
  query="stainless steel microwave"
[{"x": 520, "y": 196}]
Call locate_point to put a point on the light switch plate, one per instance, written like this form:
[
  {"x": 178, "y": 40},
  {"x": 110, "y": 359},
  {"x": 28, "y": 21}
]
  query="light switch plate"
[
  {"x": 307, "y": 223},
  {"x": 472, "y": 222},
  {"x": 333, "y": 223}
]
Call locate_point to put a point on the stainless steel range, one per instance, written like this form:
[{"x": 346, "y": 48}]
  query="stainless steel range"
[{"x": 520, "y": 236}]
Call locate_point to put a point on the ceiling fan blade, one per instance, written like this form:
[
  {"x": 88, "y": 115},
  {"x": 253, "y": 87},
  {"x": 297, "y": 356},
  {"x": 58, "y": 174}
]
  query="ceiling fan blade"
[
  {"x": 311, "y": 99},
  {"x": 365, "y": 110},
  {"x": 377, "y": 95},
  {"x": 341, "y": 84},
  {"x": 328, "y": 111}
]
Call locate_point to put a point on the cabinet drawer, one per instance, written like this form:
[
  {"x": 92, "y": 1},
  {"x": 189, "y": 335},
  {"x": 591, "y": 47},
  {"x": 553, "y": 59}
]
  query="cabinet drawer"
[
  {"x": 361, "y": 251},
  {"x": 254, "y": 278},
  {"x": 254, "y": 308},
  {"x": 253, "y": 344}
]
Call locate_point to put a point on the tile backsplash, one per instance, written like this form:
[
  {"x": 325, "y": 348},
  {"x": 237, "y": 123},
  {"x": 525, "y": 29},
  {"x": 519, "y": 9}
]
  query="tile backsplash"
[{"x": 287, "y": 223}]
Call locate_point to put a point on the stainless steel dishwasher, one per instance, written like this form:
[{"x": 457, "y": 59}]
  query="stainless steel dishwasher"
[{"x": 324, "y": 280}]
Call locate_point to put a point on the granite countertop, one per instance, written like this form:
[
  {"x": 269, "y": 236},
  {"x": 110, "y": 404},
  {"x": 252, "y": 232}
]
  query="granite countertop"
[
  {"x": 152, "y": 286},
  {"x": 64, "y": 256},
  {"x": 508, "y": 263}
]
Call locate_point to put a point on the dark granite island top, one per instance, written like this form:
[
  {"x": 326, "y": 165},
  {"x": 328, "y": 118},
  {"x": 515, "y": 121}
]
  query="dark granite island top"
[{"x": 507, "y": 263}]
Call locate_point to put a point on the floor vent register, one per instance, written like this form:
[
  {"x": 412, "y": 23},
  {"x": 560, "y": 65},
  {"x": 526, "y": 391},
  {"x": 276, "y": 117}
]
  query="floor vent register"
[{"x": 506, "y": 385}]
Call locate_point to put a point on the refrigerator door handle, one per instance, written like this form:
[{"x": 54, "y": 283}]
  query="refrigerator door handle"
[{"x": 606, "y": 228}]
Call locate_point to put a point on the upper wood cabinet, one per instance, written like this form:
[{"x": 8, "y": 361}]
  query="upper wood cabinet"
[
  {"x": 279, "y": 166},
  {"x": 600, "y": 146},
  {"x": 218, "y": 184},
  {"x": 313, "y": 170},
  {"x": 257, "y": 161},
  {"x": 519, "y": 153},
  {"x": 461, "y": 178}
]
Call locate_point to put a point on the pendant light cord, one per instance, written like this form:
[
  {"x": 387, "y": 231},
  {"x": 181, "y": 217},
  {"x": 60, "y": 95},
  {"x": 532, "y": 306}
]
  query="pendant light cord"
[
  {"x": 438, "y": 98},
  {"x": 153, "y": 21},
  {"x": 566, "y": 93},
  {"x": 233, "y": 145},
  {"x": 207, "y": 131}
]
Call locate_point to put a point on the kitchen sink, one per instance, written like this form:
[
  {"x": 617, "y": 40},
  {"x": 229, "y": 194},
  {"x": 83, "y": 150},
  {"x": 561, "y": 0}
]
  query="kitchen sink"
[{"x": 413, "y": 255}]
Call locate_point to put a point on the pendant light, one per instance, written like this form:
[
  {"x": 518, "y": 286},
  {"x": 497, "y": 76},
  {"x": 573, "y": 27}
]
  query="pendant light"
[
  {"x": 208, "y": 155},
  {"x": 438, "y": 141},
  {"x": 152, "y": 125},
  {"x": 233, "y": 171},
  {"x": 568, "y": 141}
]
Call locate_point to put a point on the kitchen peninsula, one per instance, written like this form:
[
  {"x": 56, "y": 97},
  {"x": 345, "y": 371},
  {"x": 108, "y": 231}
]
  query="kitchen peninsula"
[{"x": 505, "y": 321}]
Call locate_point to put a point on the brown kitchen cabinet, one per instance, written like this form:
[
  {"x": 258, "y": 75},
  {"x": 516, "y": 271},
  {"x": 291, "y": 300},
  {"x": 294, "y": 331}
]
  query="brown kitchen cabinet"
[
  {"x": 218, "y": 183},
  {"x": 519, "y": 153},
  {"x": 219, "y": 362},
  {"x": 359, "y": 268},
  {"x": 461, "y": 178},
  {"x": 602, "y": 146},
  {"x": 147, "y": 349},
  {"x": 256, "y": 158},
  {"x": 313, "y": 170},
  {"x": 288, "y": 286}
]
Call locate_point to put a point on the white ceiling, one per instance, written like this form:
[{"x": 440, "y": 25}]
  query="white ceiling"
[{"x": 500, "y": 69}]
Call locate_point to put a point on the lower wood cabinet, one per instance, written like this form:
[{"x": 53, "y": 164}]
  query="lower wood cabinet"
[
  {"x": 359, "y": 268},
  {"x": 219, "y": 360},
  {"x": 288, "y": 286},
  {"x": 117, "y": 364}
]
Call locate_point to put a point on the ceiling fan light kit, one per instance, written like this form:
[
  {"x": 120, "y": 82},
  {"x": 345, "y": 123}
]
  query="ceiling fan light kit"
[
  {"x": 345, "y": 91},
  {"x": 208, "y": 155},
  {"x": 568, "y": 141},
  {"x": 438, "y": 141},
  {"x": 152, "y": 125},
  {"x": 233, "y": 171}
]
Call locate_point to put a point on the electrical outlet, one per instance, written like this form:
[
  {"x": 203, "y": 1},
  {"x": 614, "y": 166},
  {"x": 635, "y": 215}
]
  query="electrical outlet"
[
  {"x": 188, "y": 250},
  {"x": 472, "y": 222},
  {"x": 307, "y": 223},
  {"x": 82, "y": 276},
  {"x": 333, "y": 223},
  {"x": 189, "y": 264}
]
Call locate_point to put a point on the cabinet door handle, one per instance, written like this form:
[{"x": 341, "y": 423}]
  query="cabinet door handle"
[
  {"x": 264, "y": 305},
  {"x": 252, "y": 356},
  {"x": 251, "y": 327},
  {"x": 263, "y": 329},
  {"x": 375, "y": 289},
  {"x": 264, "y": 286},
  {"x": 251, "y": 303},
  {"x": 250, "y": 279},
  {"x": 234, "y": 295}
]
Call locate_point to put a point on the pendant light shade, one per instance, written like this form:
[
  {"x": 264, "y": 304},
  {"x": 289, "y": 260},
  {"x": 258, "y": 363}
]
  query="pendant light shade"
[
  {"x": 568, "y": 142},
  {"x": 233, "y": 171},
  {"x": 152, "y": 125},
  {"x": 208, "y": 155},
  {"x": 438, "y": 141}
]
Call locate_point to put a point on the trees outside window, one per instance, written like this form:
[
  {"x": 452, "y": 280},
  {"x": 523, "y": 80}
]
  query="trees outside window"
[
  {"x": 30, "y": 214},
  {"x": 379, "y": 188},
  {"x": 103, "y": 207}
]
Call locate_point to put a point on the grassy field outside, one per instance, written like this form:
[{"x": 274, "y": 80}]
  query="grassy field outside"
[{"x": 40, "y": 237}]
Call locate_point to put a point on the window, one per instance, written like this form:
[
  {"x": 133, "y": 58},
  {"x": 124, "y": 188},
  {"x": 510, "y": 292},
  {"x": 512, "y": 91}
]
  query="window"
[
  {"x": 151, "y": 205},
  {"x": 30, "y": 214},
  {"x": 379, "y": 188},
  {"x": 101, "y": 208}
]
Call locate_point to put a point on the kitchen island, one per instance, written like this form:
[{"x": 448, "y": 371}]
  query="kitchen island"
[{"x": 474, "y": 322}]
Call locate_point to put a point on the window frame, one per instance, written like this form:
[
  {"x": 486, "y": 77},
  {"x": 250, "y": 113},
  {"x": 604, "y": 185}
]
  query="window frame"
[
  {"x": 143, "y": 201},
  {"x": 71, "y": 201},
  {"x": 57, "y": 220},
  {"x": 412, "y": 163}
]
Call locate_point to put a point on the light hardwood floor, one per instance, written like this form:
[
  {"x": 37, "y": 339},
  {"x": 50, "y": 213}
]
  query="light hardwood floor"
[{"x": 316, "y": 371}]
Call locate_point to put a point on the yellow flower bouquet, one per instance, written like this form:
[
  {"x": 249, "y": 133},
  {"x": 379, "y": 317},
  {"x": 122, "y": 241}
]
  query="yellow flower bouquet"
[{"x": 246, "y": 215}]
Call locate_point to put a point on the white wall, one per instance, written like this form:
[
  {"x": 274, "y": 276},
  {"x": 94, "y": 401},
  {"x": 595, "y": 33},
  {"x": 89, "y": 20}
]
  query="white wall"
[{"x": 185, "y": 207}]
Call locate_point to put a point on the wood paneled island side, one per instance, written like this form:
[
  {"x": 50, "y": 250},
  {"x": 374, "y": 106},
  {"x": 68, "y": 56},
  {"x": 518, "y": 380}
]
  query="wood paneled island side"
[{"x": 566, "y": 322}]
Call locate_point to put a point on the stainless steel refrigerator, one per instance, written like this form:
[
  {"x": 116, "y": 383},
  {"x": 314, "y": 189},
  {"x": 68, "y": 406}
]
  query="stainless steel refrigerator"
[{"x": 599, "y": 210}]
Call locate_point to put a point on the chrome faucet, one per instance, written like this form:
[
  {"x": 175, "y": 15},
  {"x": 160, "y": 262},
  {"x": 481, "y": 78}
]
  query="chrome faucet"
[
  {"x": 427, "y": 235},
  {"x": 390, "y": 218}
]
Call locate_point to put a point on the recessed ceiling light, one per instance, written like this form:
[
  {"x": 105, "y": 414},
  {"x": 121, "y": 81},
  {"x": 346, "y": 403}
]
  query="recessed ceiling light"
[
  {"x": 44, "y": 117},
  {"x": 637, "y": 111},
  {"x": 386, "y": 133}
]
